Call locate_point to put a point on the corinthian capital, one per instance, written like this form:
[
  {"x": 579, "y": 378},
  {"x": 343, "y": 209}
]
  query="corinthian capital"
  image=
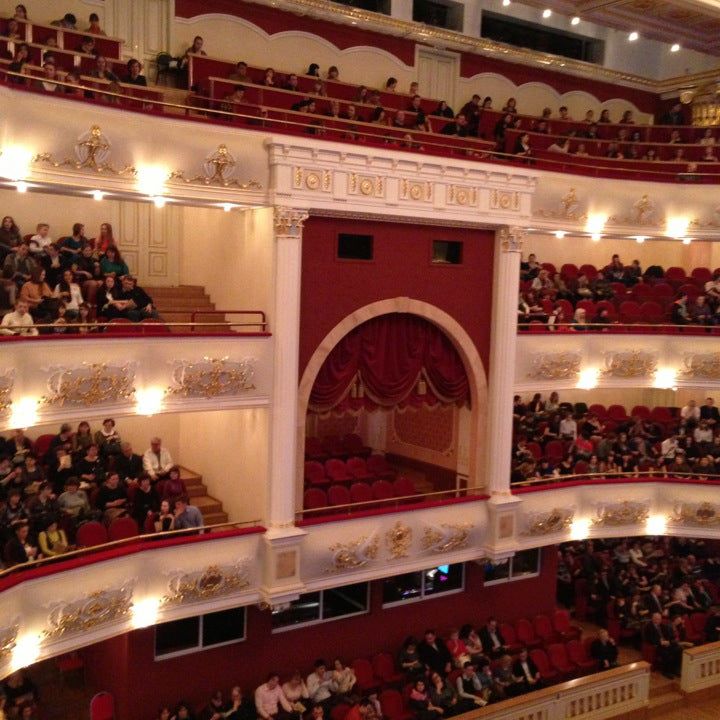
[
  {"x": 511, "y": 238},
  {"x": 289, "y": 221}
]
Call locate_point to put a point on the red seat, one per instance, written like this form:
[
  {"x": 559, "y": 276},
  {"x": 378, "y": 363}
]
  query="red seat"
[
  {"x": 535, "y": 449},
  {"x": 629, "y": 312},
  {"x": 366, "y": 679},
  {"x": 563, "y": 626},
  {"x": 357, "y": 467},
  {"x": 382, "y": 490},
  {"x": 42, "y": 445},
  {"x": 393, "y": 707},
  {"x": 122, "y": 325},
  {"x": 354, "y": 446},
  {"x": 360, "y": 492},
  {"x": 384, "y": 668},
  {"x": 651, "y": 312},
  {"x": 333, "y": 446},
  {"x": 510, "y": 637},
  {"x": 544, "y": 629},
  {"x": 581, "y": 468},
  {"x": 702, "y": 275},
  {"x": 588, "y": 306},
  {"x": 549, "y": 267},
  {"x": 617, "y": 413},
  {"x": 404, "y": 486},
  {"x": 609, "y": 306},
  {"x": 557, "y": 654},
  {"x": 314, "y": 449},
  {"x": 90, "y": 534},
  {"x": 589, "y": 270},
  {"x": 122, "y": 528},
  {"x": 569, "y": 271},
  {"x": 567, "y": 309},
  {"x": 675, "y": 274},
  {"x": 378, "y": 466},
  {"x": 339, "y": 711},
  {"x": 337, "y": 470},
  {"x": 619, "y": 289},
  {"x": 695, "y": 627},
  {"x": 540, "y": 658},
  {"x": 555, "y": 450},
  {"x": 338, "y": 495},
  {"x": 598, "y": 410},
  {"x": 642, "y": 291},
  {"x": 661, "y": 415},
  {"x": 315, "y": 473},
  {"x": 314, "y": 498},
  {"x": 641, "y": 411},
  {"x": 102, "y": 706},
  {"x": 649, "y": 653},
  {"x": 663, "y": 292},
  {"x": 150, "y": 325},
  {"x": 149, "y": 524},
  {"x": 581, "y": 599},
  {"x": 578, "y": 654},
  {"x": 691, "y": 290},
  {"x": 526, "y": 634}
]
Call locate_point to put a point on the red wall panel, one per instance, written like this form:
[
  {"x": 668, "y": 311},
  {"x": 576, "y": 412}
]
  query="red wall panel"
[
  {"x": 332, "y": 288},
  {"x": 145, "y": 684}
]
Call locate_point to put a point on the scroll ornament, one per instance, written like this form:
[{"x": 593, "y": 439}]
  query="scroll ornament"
[
  {"x": 211, "y": 582},
  {"x": 354, "y": 554},
  {"x": 629, "y": 364},
  {"x": 212, "y": 377},
  {"x": 546, "y": 523},
  {"x": 701, "y": 514},
  {"x": 398, "y": 540},
  {"x": 90, "y": 384},
  {"x": 704, "y": 366},
  {"x": 8, "y": 638},
  {"x": 446, "y": 537},
  {"x": 556, "y": 366},
  {"x": 628, "y": 512},
  {"x": 7, "y": 383}
]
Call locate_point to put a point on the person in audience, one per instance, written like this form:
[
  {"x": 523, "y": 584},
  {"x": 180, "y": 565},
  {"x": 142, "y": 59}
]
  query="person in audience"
[
  {"x": 344, "y": 680},
  {"x": 112, "y": 263},
  {"x": 52, "y": 540},
  {"x": 128, "y": 464},
  {"x": 20, "y": 13},
  {"x": 71, "y": 246},
  {"x": 38, "y": 295},
  {"x": 297, "y": 693},
  {"x": 471, "y": 110},
  {"x": 42, "y": 507},
  {"x": 492, "y": 640},
  {"x": 506, "y": 683},
  {"x": 139, "y": 305},
  {"x": 321, "y": 685},
  {"x": 443, "y": 110},
  {"x": 604, "y": 650},
  {"x": 109, "y": 303},
  {"x": 17, "y": 270},
  {"x": 18, "y": 322},
  {"x": 145, "y": 502},
  {"x": 434, "y": 654},
  {"x": 709, "y": 154},
  {"x": 712, "y": 626},
  {"x": 522, "y": 146},
  {"x": 527, "y": 673},
  {"x": 470, "y": 687},
  {"x": 510, "y": 106},
  {"x": 69, "y": 293},
  {"x": 195, "y": 49},
  {"x": 679, "y": 314},
  {"x": 659, "y": 634},
  {"x": 112, "y": 499},
  {"x": 270, "y": 700},
  {"x": 560, "y": 146},
  {"x": 32, "y": 474},
  {"x": 445, "y": 696},
  {"x": 18, "y": 65},
  {"x": 157, "y": 461},
  {"x": 94, "y": 25},
  {"x": 40, "y": 240},
  {"x": 19, "y": 549},
  {"x": 409, "y": 658},
  {"x": 87, "y": 46},
  {"x": 73, "y": 503},
  {"x": 134, "y": 73},
  {"x": 67, "y": 21},
  {"x": 239, "y": 707},
  {"x": 313, "y": 70},
  {"x": 90, "y": 469},
  {"x": 604, "y": 117},
  {"x": 420, "y": 703},
  {"x": 103, "y": 72},
  {"x": 651, "y": 155},
  {"x": 186, "y": 516},
  {"x": 165, "y": 520},
  {"x": 674, "y": 116}
]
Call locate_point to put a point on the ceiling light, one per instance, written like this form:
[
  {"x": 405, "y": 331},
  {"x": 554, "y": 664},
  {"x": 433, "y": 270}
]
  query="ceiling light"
[
  {"x": 159, "y": 201},
  {"x": 227, "y": 207},
  {"x": 98, "y": 195},
  {"x": 686, "y": 241},
  {"x": 547, "y": 12},
  {"x": 21, "y": 186},
  {"x": 640, "y": 238},
  {"x": 595, "y": 237},
  {"x": 506, "y": 3},
  {"x": 675, "y": 47},
  {"x": 633, "y": 36},
  {"x": 560, "y": 234},
  {"x": 677, "y": 227},
  {"x": 575, "y": 21}
]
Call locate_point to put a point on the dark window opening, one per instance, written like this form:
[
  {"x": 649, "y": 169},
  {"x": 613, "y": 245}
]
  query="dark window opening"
[
  {"x": 378, "y": 6},
  {"x": 439, "y": 13},
  {"x": 355, "y": 247},
  {"x": 447, "y": 252}
]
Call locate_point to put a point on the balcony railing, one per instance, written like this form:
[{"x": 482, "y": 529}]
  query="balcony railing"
[
  {"x": 619, "y": 328},
  {"x": 559, "y": 481}
]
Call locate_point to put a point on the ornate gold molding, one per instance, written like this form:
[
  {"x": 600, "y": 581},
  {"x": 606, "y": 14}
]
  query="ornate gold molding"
[
  {"x": 556, "y": 521},
  {"x": 398, "y": 540},
  {"x": 7, "y": 383},
  {"x": 556, "y": 366},
  {"x": 511, "y": 238},
  {"x": 289, "y": 221},
  {"x": 704, "y": 366},
  {"x": 505, "y": 200},
  {"x": 568, "y": 209},
  {"x": 213, "y": 581},
  {"x": 464, "y": 195},
  {"x": 354, "y": 554},
  {"x": 367, "y": 185},
  {"x": 97, "y": 608},
  {"x": 702, "y": 514},
  {"x": 311, "y": 179},
  {"x": 416, "y": 190},
  {"x": 8, "y": 637},
  {"x": 219, "y": 169},
  {"x": 446, "y": 537},
  {"x": 212, "y": 377},
  {"x": 629, "y": 364},
  {"x": 628, "y": 512},
  {"x": 90, "y": 384}
]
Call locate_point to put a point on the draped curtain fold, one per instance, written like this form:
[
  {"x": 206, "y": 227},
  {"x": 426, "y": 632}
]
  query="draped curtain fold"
[{"x": 394, "y": 359}]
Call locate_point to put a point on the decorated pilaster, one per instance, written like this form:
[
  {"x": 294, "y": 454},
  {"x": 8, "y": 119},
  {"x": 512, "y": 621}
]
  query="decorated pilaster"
[
  {"x": 281, "y": 580},
  {"x": 506, "y": 283}
]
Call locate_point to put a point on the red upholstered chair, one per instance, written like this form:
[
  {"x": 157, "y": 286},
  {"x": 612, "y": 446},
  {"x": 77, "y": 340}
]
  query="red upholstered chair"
[
  {"x": 589, "y": 270},
  {"x": 338, "y": 495},
  {"x": 102, "y": 706},
  {"x": 339, "y": 711},
  {"x": 557, "y": 654},
  {"x": 581, "y": 467},
  {"x": 333, "y": 446},
  {"x": 537, "y": 327},
  {"x": 651, "y": 312},
  {"x": 569, "y": 271},
  {"x": 90, "y": 534},
  {"x": 526, "y": 634},
  {"x": 549, "y": 267},
  {"x": 617, "y": 413},
  {"x": 354, "y": 446},
  {"x": 314, "y": 498},
  {"x": 314, "y": 449},
  {"x": 695, "y": 627},
  {"x": 588, "y": 306},
  {"x": 609, "y": 306},
  {"x": 578, "y": 654},
  {"x": 357, "y": 467},
  {"x": 555, "y": 450},
  {"x": 641, "y": 411},
  {"x": 122, "y": 325},
  {"x": 42, "y": 445},
  {"x": 540, "y": 658},
  {"x": 366, "y": 679},
  {"x": 379, "y": 466},
  {"x": 150, "y": 325},
  {"x": 649, "y": 653},
  {"x": 581, "y": 599},
  {"x": 315, "y": 473},
  {"x": 702, "y": 275},
  {"x": 544, "y": 629},
  {"x": 69, "y": 662},
  {"x": 662, "y": 415},
  {"x": 122, "y": 528},
  {"x": 384, "y": 668},
  {"x": 393, "y": 707},
  {"x": 337, "y": 471},
  {"x": 567, "y": 308},
  {"x": 642, "y": 292},
  {"x": 535, "y": 449},
  {"x": 510, "y": 637},
  {"x": 619, "y": 289},
  {"x": 598, "y": 410},
  {"x": 563, "y": 626},
  {"x": 675, "y": 274},
  {"x": 404, "y": 486},
  {"x": 629, "y": 312},
  {"x": 382, "y": 490},
  {"x": 149, "y": 524},
  {"x": 360, "y": 492},
  {"x": 663, "y": 292},
  {"x": 689, "y": 289}
]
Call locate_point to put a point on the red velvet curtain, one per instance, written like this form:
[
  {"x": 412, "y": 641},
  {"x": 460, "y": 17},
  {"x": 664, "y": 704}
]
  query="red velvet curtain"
[{"x": 395, "y": 359}]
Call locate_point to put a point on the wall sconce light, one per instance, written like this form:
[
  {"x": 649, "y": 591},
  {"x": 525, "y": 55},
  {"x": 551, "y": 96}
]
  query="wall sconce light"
[
  {"x": 149, "y": 402},
  {"x": 665, "y": 378},
  {"x": 588, "y": 378},
  {"x": 580, "y": 529},
  {"x": 151, "y": 180},
  {"x": 145, "y": 613},
  {"x": 25, "y": 652},
  {"x": 15, "y": 162},
  {"x": 24, "y": 413},
  {"x": 677, "y": 227},
  {"x": 656, "y": 525}
]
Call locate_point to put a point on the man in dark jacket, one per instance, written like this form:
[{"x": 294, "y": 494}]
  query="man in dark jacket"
[{"x": 434, "y": 654}]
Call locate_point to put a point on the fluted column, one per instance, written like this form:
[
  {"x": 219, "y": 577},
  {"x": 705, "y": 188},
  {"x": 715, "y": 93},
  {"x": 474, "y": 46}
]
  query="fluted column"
[{"x": 506, "y": 283}]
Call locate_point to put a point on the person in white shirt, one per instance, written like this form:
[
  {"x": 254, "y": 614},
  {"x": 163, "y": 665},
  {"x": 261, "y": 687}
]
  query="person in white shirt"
[
  {"x": 708, "y": 138},
  {"x": 69, "y": 292},
  {"x": 560, "y": 146},
  {"x": 18, "y": 322},
  {"x": 320, "y": 683},
  {"x": 270, "y": 699},
  {"x": 703, "y": 434},
  {"x": 568, "y": 427},
  {"x": 157, "y": 461},
  {"x": 668, "y": 447},
  {"x": 41, "y": 239},
  {"x": 690, "y": 414}
]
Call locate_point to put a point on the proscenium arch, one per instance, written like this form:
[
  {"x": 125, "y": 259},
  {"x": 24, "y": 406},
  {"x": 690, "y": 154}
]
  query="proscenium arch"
[{"x": 462, "y": 342}]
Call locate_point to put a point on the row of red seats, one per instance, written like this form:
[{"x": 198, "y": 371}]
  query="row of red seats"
[
  {"x": 376, "y": 467},
  {"x": 334, "y": 446},
  {"x": 94, "y": 533},
  {"x": 672, "y": 275},
  {"x": 359, "y": 492}
]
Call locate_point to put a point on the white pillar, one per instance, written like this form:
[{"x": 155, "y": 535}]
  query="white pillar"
[
  {"x": 286, "y": 340},
  {"x": 506, "y": 284}
]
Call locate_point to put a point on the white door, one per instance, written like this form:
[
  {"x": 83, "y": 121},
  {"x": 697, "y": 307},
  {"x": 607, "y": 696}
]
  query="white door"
[{"x": 438, "y": 74}]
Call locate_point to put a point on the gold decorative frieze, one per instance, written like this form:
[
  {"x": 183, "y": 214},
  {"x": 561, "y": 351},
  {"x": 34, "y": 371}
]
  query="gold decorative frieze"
[
  {"x": 705, "y": 366},
  {"x": 418, "y": 191},
  {"x": 556, "y": 366},
  {"x": 354, "y": 554},
  {"x": 97, "y": 608},
  {"x": 92, "y": 152},
  {"x": 629, "y": 364},
  {"x": 568, "y": 209},
  {"x": 702, "y": 514},
  {"x": 644, "y": 211},
  {"x": 511, "y": 238},
  {"x": 505, "y": 200},
  {"x": 7, "y": 382},
  {"x": 446, "y": 537},
  {"x": 311, "y": 179},
  {"x": 218, "y": 169},
  {"x": 398, "y": 540},
  {"x": 556, "y": 521},
  {"x": 8, "y": 638},
  {"x": 289, "y": 221},
  {"x": 212, "y": 582},
  {"x": 212, "y": 377},
  {"x": 628, "y": 512},
  {"x": 367, "y": 185},
  {"x": 90, "y": 384},
  {"x": 462, "y": 195}
]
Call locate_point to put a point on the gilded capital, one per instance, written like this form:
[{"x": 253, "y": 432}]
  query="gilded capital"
[
  {"x": 511, "y": 238},
  {"x": 289, "y": 221}
]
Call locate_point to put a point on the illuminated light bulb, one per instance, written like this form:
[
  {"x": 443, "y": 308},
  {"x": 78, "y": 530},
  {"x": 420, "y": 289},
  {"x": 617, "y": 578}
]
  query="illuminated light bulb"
[
  {"x": 580, "y": 529},
  {"x": 159, "y": 201},
  {"x": 686, "y": 241},
  {"x": 547, "y": 12},
  {"x": 15, "y": 162},
  {"x": 145, "y": 613},
  {"x": 633, "y": 36},
  {"x": 596, "y": 237},
  {"x": 21, "y": 186},
  {"x": 640, "y": 238},
  {"x": 675, "y": 47},
  {"x": 677, "y": 227},
  {"x": 227, "y": 207},
  {"x": 560, "y": 234},
  {"x": 24, "y": 413},
  {"x": 655, "y": 525},
  {"x": 596, "y": 224},
  {"x": 98, "y": 195},
  {"x": 151, "y": 179},
  {"x": 588, "y": 378},
  {"x": 25, "y": 652},
  {"x": 506, "y": 3},
  {"x": 149, "y": 401},
  {"x": 575, "y": 21},
  {"x": 665, "y": 378}
]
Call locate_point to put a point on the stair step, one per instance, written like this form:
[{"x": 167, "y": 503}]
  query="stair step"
[
  {"x": 668, "y": 701},
  {"x": 207, "y": 504},
  {"x": 185, "y": 289},
  {"x": 194, "y": 491},
  {"x": 215, "y": 518}
]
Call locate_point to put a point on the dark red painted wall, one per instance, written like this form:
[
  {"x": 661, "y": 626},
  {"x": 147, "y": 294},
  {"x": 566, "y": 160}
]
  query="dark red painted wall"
[
  {"x": 127, "y": 668},
  {"x": 332, "y": 288}
]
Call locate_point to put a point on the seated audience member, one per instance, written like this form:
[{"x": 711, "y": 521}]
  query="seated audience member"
[
  {"x": 296, "y": 692},
  {"x": 134, "y": 73},
  {"x": 165, "y": 520},
  {"x": 230, "y": 102},
  {"x": 52, "y": 540},
  {"x": 87, "y": 46},
  {"x": 38, "y": 295},
  {"x": 240, "y": 73},
  {"x": 444, "y": 695},
  {"x": 270, "y": 700},
  {"x": 409, "y": 659},
  {"x": 107, "y": 438},
  {"x": 110, "y": 305},
  {"x": 17, "y": 269},
  {"x": 679, "y": 314},
  {"x": 269, "y": 78},
  {"x": 49, "y": 81},
  {"x": 434, "y": 654},
  {"x": 215, "y": 709},
  {"x": 18, "y": 549},
  {"x": 470, "y": 686},
  {"x": 186, "y": 516},
  {"x": 660, "y": 635},
  {"x": 10, "y": 236},
  {"x": 145, "y": 502},
  {"x": 112, "y": 498},
  {"x": 343, "y": 678},
  {"x": 67, "y": 21},
  {"x": 86, "y": 269},
  {"x": 40, "y": 240},
  {"x": 527, "y": 672},
  {"x": 91, "y": 468},
  {"x": 32, "y": 474},
  {"x": 712, "y": 626},
  {"x": 674, "y": 116},
  {"x": 157, "y": 461},
  {"x": 94, "y": 26},
  {"x": 113, "y": 264},
  {"x": 128, "y": 464},
  {"x": 522, "y": 145},
  {"x": 604, "y": 650},
  {"x": 239, "y": 707},
  {"x": 195, "y": 49},
  {"x": 510, "y": 106},
  {"x": 18, "y": 322},
  {"x": 560, "y": 146},
  {"x": 139, "y": 305},
  {"x": 420, "y": 703},
  {"x": 605, "y": 117},
  {"x": 457, "y": 648},
  {"x": 14, "y": 511},
  {"x": 70, "y": 294},
  {"x": 42, "y": 508},
  {"x": 173, "y": 487},
  {"x": 71, "y": 246},
  {"x": 458, "y": 127},
  {"x": 506, "y": 683},
  {"x": 74, "y": 502},
  {"x": 321, "y": 685},
  {"x": 492, "y": 640}
]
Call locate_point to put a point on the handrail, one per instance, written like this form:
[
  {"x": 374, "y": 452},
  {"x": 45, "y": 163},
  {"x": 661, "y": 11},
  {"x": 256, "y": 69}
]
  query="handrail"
[
  {"x": 261, "y": 313},
  {"x": 590, "y": 327},
  {"x": 417, "y": 141},
  {"x": 659, "y": 475}
]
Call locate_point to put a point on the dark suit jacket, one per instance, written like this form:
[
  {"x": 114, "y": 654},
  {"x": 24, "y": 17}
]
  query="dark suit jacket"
[
  {"x": 653, "y": 604},
  {"x": 654, "y": 634},
  {"x": 486, "y": 640},
  {"x": 602, "y": 652},
  {"x": 437, "y": 657},
  {"x": 519, "y": 672}
]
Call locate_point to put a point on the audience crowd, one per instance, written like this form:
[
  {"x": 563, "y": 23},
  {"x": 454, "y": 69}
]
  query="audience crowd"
[
  {"x": 65, "y": 285},
  {"x": 50, "y": 488}
]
